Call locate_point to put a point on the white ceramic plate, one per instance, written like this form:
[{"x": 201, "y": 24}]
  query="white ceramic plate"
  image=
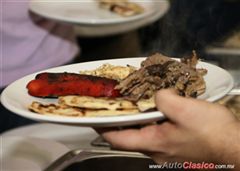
[
  {"x": 73, "y": 137},
  {"x": 86, "y": 12},
  {"x": 27, "y": 153},
  {"x": 161, "y": 7},
  {"x": 15, "y": 97}
]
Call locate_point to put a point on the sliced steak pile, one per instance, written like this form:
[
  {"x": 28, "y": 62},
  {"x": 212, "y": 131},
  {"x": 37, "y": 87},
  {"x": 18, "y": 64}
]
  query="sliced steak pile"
[{"x": 158, "y": 72}]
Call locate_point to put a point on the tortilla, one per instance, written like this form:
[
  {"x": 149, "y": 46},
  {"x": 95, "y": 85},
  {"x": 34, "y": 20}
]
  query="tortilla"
[
  {"x": 62, "y": 110},
  {"x": 96, "y": 103},
  {"x": 53, "y": 109},
  {"x": 146, "y": 104}
]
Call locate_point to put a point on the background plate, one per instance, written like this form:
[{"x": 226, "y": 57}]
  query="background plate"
[
  {"x": 86, "y": 12},
  {"x": 73, "y": 137},
  {"x": 97, "y": 27},
  {"x": 15, "y": 97},
  {"x": 28, "y": 153}
]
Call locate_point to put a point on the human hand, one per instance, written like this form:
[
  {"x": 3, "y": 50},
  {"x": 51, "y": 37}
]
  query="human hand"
[{"x": 197, "y": 131}]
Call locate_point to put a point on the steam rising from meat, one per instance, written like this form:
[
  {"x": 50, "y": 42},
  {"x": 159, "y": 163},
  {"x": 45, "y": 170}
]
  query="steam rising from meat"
[{"x": 191, "y": 25}]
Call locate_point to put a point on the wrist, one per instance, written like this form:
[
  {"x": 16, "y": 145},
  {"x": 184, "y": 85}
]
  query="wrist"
[
  {"x": 237, "y": 150},
  {"x": 227, "y": 147}
]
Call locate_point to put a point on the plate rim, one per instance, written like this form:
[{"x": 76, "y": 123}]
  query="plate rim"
[{"x": 107, "y": 120}]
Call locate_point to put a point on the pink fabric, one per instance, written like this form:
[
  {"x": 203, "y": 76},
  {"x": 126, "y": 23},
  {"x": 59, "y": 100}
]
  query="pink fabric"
[{"x": 31, "y": 43}]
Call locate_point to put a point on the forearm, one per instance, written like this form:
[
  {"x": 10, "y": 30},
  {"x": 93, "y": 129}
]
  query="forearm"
[
  {"x": 229, "y": 151},
  {"x": 236, "y": 149}
]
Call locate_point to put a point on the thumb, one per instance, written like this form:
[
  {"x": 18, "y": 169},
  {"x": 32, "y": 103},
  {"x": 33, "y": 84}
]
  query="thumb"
[{"x": 176, "y": 108}]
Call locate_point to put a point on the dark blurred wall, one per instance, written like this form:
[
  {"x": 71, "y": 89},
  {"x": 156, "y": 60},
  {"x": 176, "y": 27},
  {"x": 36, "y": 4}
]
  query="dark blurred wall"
[{"x": 191, "y": 24}]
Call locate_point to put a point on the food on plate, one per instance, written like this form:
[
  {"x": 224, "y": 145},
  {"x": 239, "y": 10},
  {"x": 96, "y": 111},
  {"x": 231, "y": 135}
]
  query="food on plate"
[
  {"x": 111, "y": 71},
  {"x": 122, "y": 7},
  {"x": 85, "y": 106},
  {"x": 144, "y": 105},
  {"x": 158, "y": 72},
  {"x": 116, "y": 90},
  {"x": 54, "y": 109},
  {"x": 62, "y": 110},
  {"x": 96, "y": 103},
  {"x": 60, "y": 84}
]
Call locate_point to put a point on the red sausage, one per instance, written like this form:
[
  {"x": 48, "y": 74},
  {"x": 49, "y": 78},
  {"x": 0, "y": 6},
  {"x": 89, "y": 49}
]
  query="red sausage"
[{"x": 61, "y": 84}]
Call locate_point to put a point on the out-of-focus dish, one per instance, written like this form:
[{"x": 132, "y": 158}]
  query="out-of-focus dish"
[
  {"x": 73, "y": 137},
  {"x": 92, "y": 22},
  {"x": 87, "y": 12},
  {"x": 28, "y": 153}
]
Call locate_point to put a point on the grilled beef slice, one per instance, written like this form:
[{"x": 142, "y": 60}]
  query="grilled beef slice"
[{"x": 158, "y": 72}]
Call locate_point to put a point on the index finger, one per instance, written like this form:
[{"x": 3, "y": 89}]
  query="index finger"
[{"x": 134, "y": 139}]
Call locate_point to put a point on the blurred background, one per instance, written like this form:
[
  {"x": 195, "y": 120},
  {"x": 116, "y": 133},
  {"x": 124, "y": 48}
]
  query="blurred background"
[
  {"x": 197, "y": 24},
  {"x": 212, "y": 28}
]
